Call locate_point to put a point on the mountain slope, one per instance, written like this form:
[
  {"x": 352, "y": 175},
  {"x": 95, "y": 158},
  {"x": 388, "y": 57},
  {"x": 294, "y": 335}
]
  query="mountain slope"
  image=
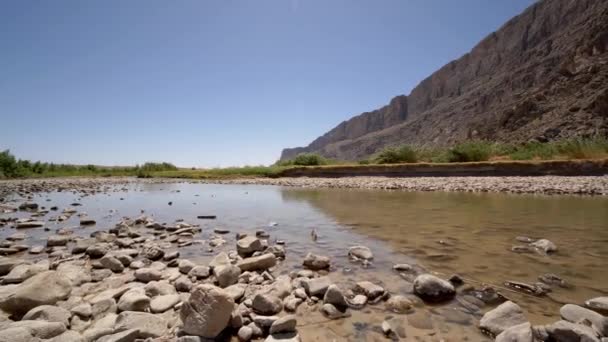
[{"x": 542, "y": 76}]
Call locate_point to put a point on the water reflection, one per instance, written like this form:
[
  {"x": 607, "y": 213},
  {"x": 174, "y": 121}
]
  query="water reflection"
[{"x": 472, "y": 235}]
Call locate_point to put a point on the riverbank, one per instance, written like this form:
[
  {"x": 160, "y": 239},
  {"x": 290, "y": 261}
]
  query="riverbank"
[
  {"x": 547, "y": 185},
  {"x": 129, "y": 259}
]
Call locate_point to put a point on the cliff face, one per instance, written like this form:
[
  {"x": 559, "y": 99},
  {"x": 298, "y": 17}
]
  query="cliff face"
[{"x": 542, "y": 76}]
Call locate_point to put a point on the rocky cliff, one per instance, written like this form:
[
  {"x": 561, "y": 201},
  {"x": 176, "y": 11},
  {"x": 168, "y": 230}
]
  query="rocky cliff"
[{"x": 542, "y": 76}]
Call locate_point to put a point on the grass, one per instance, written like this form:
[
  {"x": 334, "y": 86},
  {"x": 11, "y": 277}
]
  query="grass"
[
  {"x": 221, "y": 173},
  {"x": 471, "y": 151}
]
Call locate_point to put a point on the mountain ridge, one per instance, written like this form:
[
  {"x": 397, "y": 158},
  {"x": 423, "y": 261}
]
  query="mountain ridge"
[{"x": 542, "y": 76}]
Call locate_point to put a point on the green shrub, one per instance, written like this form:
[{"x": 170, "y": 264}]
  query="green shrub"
[
  {"x": 394, "y": 155},
  {"x": 364, "y": 162},
  {"x": 583, "y": 148},
  {"x": 471, "y": 151}
]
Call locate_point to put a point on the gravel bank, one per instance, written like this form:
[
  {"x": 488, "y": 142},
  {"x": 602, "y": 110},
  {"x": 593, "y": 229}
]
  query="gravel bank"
[{"x": 550, "y": 185}]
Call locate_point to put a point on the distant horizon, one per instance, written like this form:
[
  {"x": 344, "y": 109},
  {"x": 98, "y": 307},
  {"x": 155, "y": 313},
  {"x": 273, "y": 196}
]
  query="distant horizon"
[{"x": 214, "y": 84}]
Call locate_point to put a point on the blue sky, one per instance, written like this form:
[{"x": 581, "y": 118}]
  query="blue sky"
[{"x": 214, "y": 83}]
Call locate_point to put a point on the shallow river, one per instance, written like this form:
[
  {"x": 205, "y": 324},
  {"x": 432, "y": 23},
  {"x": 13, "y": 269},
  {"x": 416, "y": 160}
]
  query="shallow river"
[{"x": 445, "y": 233}]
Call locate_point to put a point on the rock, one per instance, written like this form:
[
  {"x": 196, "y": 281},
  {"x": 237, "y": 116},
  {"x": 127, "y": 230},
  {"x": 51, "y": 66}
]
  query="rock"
[
  {"x": 278, "y": 251},
  {"x": 248, "y": 245},
  {"x": 398, "y": 304},
  {"x": 316, "y": 262},
  {"x": 159, "y": 288},
  {"x": 134, "y": 300},
  {"x": 360, "y": 252},
  {"x": 403, "y": 268},
  {"x": 152, "y": 252},
  {"x": 267, "y": 304},
  {"x": 221, "y": 259},
  {"x": 146, "y": 324},
  {"x": 183, "y": 284},
  {"x": 57, "y": 240},
  {"x": 227, "y": 275},
  {"x": 433, "y": 289},
  {"x": 291, "y": 303},
  {"x": 43, "y": 288},
  {"x": 599, "y": 304},
  {"x": 163, "y": 303},
  {"x": 86, "y": 221},
  {"x": 40, "y": 329},
  {"x": 334, "y": 296},
  {"x": 264, "y": 322},
  {"x": 316, "y": 286},
  {"x": 245, "y": 334},
  {"x": 48, "y": 313},
  {"x": 74, "y": 272},
  {"x": 29, "y": 224},
  {"x": 207, "y": 312},
  {"x": 17, "y": 335},
  {"x": 285, "y": 324},
  {"x": 332, "y": 312},
  {"x": 83, "y": 310},
  {"x": 28, "y": 206},
  {"x": 147, "y": 274},
  {"x": 566, "y": 331},
  {"x": 386, "y": 328},
  {"x": 257, "y": 263},
  {"x": 544, "y": 246},
  {"x": 97, "y": 250},
  {"x": 517, "y": 333},
  {"x": 36, "y": 249},
  {"x": 112, "y": 263},
  {"x": 236, "y": 291},
  {"x": 286, "y": 337},
  {"x": 576, "y": 314},
  {"x": 171, "y": 256},
  {"x": 199, "y": 272},
  {"x": 68, "y": 336},
  {"x": 123, "y": 336},
  {"x": 369, "y": 289},
  {"x": 504, "y": 316},
  {"x": 24, "y": 271},
  {"x": 358, "y": 302},
  {"x": 185, "y": 266},
  {"x": 7, "y": 264}
]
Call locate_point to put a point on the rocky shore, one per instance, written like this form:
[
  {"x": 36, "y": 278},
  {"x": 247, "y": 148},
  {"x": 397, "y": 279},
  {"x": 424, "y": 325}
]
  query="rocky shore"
[
  {"x": 549, "y": 185},
  {"x": 131, "y": 282}
]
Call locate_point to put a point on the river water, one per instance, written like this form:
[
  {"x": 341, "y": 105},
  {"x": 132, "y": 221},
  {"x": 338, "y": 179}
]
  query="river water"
[{"x": 446, "y": 233}]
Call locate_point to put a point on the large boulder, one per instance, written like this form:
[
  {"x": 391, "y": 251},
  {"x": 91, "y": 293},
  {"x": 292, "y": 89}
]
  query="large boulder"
[
  {"x": 258, "y": 263},
  {"x": 24, "y": 271},
  {"x": 147, "y": 324},
  {"x": 43, "y": 288},
  {"x": 248, "y": 245},
  {"x": 49, "y": 313},
  {"x": 517, "y": 333},
  {"x": 506, "y": 315},
  {"x": 433, "y": 289},
  {"x": 227, "y": 275},
  {"x": 39, "y": 329},
  {"x": 267, "y": 304},
  {"x": 575, "y": 314},
  {"x": 207, "y": 312},
  {"x": 568, "y": 331},
  {"x": 7, "y": 264},
  {"x": 316, "y": 262},
  {"x": 316, "y": 286},
  {"x": 599, "y": 304},
  {"x": 334, "y": 296}
]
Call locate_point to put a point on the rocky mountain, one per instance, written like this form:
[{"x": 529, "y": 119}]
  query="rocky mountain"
[{"x": 542, "y": 76}]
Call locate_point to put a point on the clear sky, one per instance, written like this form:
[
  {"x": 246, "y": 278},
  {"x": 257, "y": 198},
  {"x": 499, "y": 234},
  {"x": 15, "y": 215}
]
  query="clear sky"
[{"x": 214, "y": 83}]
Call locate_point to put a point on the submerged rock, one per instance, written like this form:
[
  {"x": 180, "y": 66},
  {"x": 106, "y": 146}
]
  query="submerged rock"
[
  {"x": 433, "y": 289},
  {"x": 316, "y": 262},
  {"x": 360, "y": 252}
]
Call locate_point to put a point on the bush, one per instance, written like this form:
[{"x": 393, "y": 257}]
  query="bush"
[
  {"x": 583, "y": 148},
  {"x": 394, "y": 155},
  {"x": 471, "y": 151}
]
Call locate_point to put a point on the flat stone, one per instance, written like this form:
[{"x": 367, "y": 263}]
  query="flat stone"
[
  {"x": 258, "y": 263},
  {"x": 316, "y": 286},
  {"x": 504, "y": 316}
]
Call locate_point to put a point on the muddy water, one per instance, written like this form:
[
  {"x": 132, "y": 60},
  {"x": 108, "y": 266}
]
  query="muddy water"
[{"x": 468, "y": 234}]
